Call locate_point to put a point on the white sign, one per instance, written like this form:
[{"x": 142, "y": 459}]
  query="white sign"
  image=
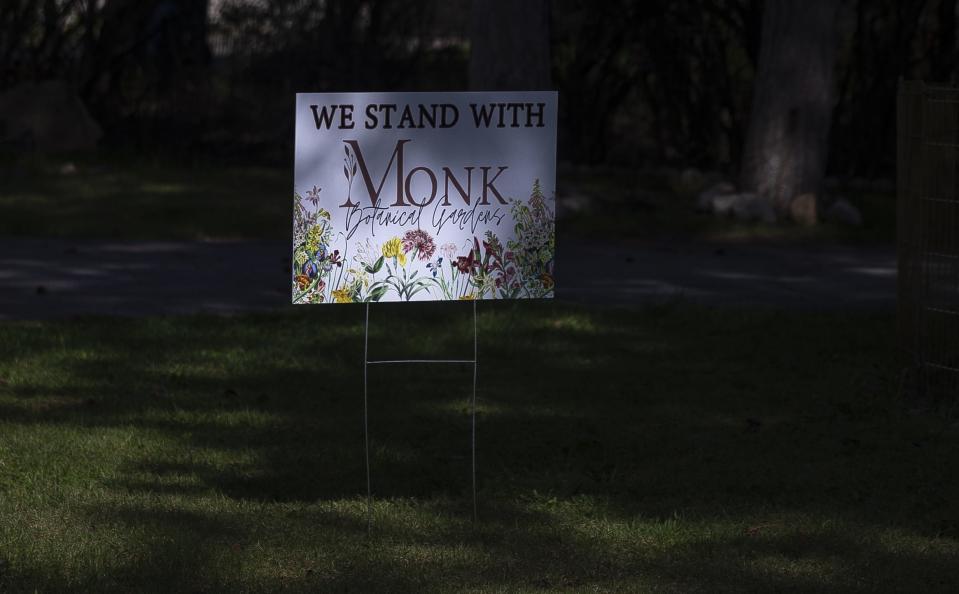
[{"x": 424, "y": 196}]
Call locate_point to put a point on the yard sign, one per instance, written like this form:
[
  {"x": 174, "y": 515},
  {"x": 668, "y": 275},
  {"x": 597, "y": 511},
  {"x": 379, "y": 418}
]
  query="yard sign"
[{"x": 423, "y": 196}]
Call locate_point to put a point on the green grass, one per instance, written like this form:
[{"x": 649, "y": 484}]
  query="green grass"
[{"x": 663, "y": 449}]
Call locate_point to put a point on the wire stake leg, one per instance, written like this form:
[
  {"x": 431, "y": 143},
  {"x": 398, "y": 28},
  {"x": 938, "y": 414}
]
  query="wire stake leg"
[
  {"x": 473, "y": 409},
  {"x": 366, "y": 421}
]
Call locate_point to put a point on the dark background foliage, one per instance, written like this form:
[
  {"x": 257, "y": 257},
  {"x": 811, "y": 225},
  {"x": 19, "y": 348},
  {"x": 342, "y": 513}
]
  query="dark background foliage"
[{"x": 653, "y": 83}]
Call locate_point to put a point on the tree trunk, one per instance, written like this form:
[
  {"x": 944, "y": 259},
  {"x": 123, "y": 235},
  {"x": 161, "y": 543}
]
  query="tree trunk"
[
  {"x": 509, "y": 42},
  {"x": 787, "y": 139}
]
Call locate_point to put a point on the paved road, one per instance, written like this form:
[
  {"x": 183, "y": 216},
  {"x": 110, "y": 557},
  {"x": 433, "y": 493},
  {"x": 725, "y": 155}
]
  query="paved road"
[
  {"x": 56, "y": 278},
  {"x": 817, "y": 277}
]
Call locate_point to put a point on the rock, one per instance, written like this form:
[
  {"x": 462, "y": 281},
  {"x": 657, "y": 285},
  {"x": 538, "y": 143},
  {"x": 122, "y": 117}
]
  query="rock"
[
  {"x": 705, "y": 202},
  {"x": 724, "y": 205},
  {"x": 47, "y": 116},
  {"x": 570, "y": 201},
  {"x": 803, "y": 210},
  {"x": 722, "y": 200},
  {"x": 745, "y": 206},
  {"x": 844, "y": 213}
]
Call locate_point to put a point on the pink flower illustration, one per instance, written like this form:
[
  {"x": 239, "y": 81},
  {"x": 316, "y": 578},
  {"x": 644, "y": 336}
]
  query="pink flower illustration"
[{"x": 420, "y": 241}]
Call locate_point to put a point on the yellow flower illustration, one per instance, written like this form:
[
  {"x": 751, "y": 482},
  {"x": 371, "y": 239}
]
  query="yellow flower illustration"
[
  {"x": 342, "y": 296},
  {"x": 469, "y": 297},
  {"x": 313, "y": 237},
  {"x": 393, "y": 248}
]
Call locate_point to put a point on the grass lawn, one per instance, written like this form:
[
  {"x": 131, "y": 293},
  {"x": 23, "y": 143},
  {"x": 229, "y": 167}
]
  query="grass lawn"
[{"x": 663, "y": 449}]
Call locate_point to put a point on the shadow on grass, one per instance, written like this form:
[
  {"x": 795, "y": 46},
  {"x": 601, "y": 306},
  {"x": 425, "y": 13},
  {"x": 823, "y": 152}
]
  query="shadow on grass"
[{"x": 668, "y": 448}]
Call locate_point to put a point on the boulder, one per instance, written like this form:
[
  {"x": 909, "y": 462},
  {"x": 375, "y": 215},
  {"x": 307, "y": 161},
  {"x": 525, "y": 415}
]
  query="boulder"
[
  {"x": 722, "y": 200},
  {"x": 48, "y": 117},
  {"x": 803, "y": 210},
  {"x": 724, "y": 204},
  {"x": 745, "y": 206},
  {"x": 705, "y": 202},
  {"x": 570, "y": 201},
  {"x": 844, "y": 213}
]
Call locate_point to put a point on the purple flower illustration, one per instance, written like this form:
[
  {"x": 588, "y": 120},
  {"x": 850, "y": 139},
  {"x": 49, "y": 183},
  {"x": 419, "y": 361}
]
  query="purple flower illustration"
[{"x": 314, "y": 195}]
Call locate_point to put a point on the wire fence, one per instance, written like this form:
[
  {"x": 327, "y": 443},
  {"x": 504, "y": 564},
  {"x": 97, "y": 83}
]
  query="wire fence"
[{"x": 928, "y": 239}]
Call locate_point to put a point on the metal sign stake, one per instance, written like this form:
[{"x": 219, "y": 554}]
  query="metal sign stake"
[{"x": 366, "y": 423}]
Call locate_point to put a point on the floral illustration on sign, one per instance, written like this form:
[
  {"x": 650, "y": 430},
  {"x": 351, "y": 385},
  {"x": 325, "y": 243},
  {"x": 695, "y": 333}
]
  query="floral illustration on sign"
[{"x": 410, "y": 263}]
